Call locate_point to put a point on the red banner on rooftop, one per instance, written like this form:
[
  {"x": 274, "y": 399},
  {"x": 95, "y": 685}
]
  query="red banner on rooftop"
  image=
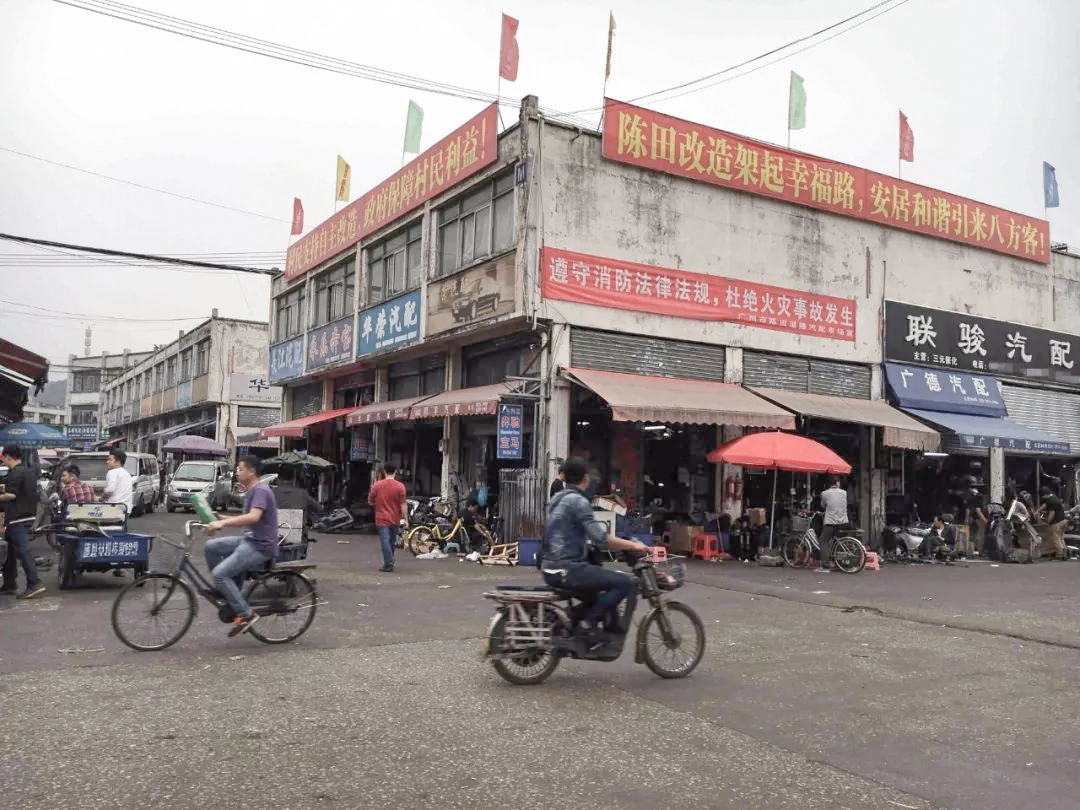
[
  {"x": 651, "y": 140},
  {"x": 461, "y": 154}
]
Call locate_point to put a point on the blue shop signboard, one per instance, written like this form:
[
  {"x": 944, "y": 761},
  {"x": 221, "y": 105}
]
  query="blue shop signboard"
[
  {"x": 82, "y": 431},
  {"x": 287, "y": 360},
  {"x": 928, "y": 389},
  {"x": 122, "y": 548},
  {"x": 330, "y": 344},
  {"x": 1050, "y": 446},
  {"x": 389, "y": 325},
  {"x": 511, "y": 431}
]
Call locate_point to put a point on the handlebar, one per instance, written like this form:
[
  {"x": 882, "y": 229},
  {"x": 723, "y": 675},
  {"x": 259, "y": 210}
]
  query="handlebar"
[{"x": 189, "y": 524}]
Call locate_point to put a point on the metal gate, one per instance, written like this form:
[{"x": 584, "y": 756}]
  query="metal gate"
[
  {"x": 522, "y": 503},
  {"x": 642, "y": 354},
  {"x": 1056, "y": 413},
  {"x": 306, "y": 400},
  {"x": 806, "y": 375}
]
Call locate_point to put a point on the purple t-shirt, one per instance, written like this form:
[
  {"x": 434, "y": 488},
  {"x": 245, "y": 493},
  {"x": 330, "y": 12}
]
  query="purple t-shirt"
[{"x": 264, "y": 534}]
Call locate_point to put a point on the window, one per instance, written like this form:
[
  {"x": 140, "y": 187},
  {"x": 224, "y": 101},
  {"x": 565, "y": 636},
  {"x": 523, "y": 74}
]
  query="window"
[
  {"x": 333, "y": 294},
  {"x": 185, "y": 365},
  {"x": 170, "y": 372},
  {"x": 416, "y": 378},
  {"x": 85, "y": 382},
  {"x": 477, "y": 225},
  {"x": 159, "y": 377},
  {"x": 146, "y": 383},
  {"x": 289, "y": 314},
  {"x": 84, "y": 415},
  {"x": 394, "y": 264},
  {"x": 46, "y": 419},
  {"x": 202, "y": 357}
]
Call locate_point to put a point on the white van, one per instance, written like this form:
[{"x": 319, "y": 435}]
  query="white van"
[
  {"x": 214, "y": 479},
  {"x": 145, "y": 480}
]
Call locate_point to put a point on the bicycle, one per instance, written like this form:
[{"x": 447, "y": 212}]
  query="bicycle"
[
  {"x": 425, "y": 538},
  {"x": 848, "y": 553},
  {"x": 164, "y": 600}
]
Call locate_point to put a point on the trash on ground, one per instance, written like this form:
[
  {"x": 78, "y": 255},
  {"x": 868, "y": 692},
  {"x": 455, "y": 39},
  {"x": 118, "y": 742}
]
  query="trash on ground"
[
  {"x": 77, "y": 650},
  {"x": 445, "y": 586},
  {"x": 344, "y": 541}
]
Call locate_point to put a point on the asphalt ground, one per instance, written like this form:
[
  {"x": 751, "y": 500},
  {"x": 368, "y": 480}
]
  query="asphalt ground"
[{"x": 920, "y": 686}]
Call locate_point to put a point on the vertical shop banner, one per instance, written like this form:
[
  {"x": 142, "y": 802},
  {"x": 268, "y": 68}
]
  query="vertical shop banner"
[
  {"x": 330, "y": 344},
  {"x": 360, "y": 446},
  {"x": 650, "y": 140},
  {"x": 287, "y": 360},
  {"x": 954, "y": 340},
  {"x": 483, "y": 292},
  {"x": 389, "y": 325},
  {"x": 461, "y": 154},
  {"x": 511, "y": 432},
  {"x": 601, "y": 282}
]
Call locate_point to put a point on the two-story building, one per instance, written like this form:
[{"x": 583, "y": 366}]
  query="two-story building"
[
  {"x": 86, "y": 378},
  {"x": 639, "y": 295},
  {"x": 210, "y": 381}
]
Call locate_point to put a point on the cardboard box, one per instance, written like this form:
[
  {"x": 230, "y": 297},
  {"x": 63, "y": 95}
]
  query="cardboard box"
[
  {"x": 758, "y": 516},
  {"x": 609, "y": 505},
  {"x": 680, "y": 536}
]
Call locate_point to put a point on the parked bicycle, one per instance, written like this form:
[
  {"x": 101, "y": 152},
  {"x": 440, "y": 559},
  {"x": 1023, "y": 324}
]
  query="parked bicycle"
[
  {"x": 157, "y": 609},
  {"x": 802, "y": 551}
]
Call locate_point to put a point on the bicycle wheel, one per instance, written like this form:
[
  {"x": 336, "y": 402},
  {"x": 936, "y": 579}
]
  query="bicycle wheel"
[
  {"x": 797, "y": 552},
  {"x": 285, "y": 602},
  {"x": 153, "y": 612},
  {"x": 849, "y": 555},
  {"x": 421, "y": 540},
  {"x": 531, "y": 666},
  {"x": 674, "y": 640}
]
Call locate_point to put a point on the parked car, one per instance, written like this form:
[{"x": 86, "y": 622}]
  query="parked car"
[
  {"x": 214, "y": 479},
  {"x": 143, "y": 467}
]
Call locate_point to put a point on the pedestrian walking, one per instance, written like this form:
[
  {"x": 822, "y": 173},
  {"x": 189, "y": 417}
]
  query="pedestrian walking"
[
  {"x": 391, "y": 512},
  {"x": 834, "y": 500},
  {"x": 20, "y": 498}
]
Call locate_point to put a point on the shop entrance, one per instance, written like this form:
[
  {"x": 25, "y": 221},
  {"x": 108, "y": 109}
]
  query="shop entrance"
[{"x": 413, "y": 448}]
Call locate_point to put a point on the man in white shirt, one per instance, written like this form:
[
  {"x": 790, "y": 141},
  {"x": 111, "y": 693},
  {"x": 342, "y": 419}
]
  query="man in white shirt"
[{"x": 118, "y": 487}]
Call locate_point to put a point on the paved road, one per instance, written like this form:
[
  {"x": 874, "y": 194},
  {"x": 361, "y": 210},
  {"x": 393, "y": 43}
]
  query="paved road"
[{"x": 943, "y": 686}]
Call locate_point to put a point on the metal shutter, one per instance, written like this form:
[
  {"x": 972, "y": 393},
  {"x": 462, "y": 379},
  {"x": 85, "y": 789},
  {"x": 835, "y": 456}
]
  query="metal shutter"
[
  {"x": 640, "y": 354},
  {"x": 839, "y": 379},
  {"x": 776, "y": 371},
  {"x": 307, "y": 400},
  {"x": 1055, "y": 413}
]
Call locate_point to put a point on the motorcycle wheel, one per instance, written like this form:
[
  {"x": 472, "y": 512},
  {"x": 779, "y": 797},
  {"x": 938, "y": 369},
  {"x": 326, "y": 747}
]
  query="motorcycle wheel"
[
  {"x": 530, "y": 668},
  {"x": 673, "y": 640},
  {"x": 421, "y": 540}
]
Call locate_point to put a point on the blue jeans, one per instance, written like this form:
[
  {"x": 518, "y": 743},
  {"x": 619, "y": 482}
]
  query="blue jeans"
[
  {"x": 18, "y": 538},
  {"x": 387, "y": 539},
  {"x": 609, "y": 587},
  {"x": 228, "y": 558}
]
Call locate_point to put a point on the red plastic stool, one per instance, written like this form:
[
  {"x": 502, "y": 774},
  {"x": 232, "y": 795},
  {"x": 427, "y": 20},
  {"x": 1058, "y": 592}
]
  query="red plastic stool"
[
  {"x": 705, "y": 547},
  {"x": 658, "y": 554}
]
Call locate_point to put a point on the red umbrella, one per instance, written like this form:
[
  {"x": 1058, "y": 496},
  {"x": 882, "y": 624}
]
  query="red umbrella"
[{"x": 781, "y": 451}]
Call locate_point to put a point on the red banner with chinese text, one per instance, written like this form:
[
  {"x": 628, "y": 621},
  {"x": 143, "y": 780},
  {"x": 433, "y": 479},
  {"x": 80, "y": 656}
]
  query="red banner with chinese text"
[
  {"x": 648, "y": 139},
  {"x": 461, "y": 154},
  {"x": 584, "y": 279}
]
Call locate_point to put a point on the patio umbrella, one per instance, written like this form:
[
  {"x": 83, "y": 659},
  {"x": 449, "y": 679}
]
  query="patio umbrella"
[
  {"x": 780, "y": 451},
  {"x": 31, "y": 434},
  {"x": 196, "y": 445},
  {"x": 296, "y": 458}
]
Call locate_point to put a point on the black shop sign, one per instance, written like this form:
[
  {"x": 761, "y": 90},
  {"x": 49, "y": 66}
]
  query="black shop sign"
[{"x": 934, "y": 337}]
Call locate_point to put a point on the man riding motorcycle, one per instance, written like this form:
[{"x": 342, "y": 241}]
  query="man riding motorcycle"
[{"x": 571, "y": 534}]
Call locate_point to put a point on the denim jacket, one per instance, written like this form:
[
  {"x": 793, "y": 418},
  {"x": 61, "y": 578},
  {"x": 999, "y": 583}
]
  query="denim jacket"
[{"x": 571, "y": 529}]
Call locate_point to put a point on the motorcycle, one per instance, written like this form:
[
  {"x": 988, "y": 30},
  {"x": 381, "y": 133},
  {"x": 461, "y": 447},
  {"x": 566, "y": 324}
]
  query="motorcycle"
[
  {"x": 536, "y": 626},
  {"x": 354, "y": 518}
]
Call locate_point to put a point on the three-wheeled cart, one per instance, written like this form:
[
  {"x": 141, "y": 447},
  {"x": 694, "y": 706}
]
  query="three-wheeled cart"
[{"x": 94, "y": 537}]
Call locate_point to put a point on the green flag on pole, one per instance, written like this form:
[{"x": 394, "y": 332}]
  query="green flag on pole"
[
  {"x": 413, "y": 126},
  {"x": 796, "y": 116}
]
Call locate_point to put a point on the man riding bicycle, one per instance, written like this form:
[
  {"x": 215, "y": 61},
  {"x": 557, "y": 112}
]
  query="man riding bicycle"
[
  {"x": 571, "y": 534},
  {"x": 229, "y": 557}
]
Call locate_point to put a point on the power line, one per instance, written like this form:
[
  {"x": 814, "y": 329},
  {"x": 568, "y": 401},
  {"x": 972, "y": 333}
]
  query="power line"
[
  {"x": 92, "y": 317},
  {"x": 141, "y": 185},
  {"x": 144, "y": 256}
]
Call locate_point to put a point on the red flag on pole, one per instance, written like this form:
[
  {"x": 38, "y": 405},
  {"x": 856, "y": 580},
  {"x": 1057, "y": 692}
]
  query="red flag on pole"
[
  {"x": 297, "y": 217},
  {"x": 907, "y": 140},
  {"x": 508, "y": 50}
]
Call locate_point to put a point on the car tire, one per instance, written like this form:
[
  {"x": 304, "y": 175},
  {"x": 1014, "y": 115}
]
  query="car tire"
[
  {"x": 137, "y": 509},
  {"x": 148, "y": 507}
]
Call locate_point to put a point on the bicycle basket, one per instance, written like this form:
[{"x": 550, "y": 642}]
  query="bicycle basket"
[
  {"x": 670, "y": 575},
  {"x": 166, "y": 556}
]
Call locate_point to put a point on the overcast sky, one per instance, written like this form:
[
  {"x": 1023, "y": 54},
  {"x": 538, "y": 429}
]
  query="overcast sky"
[{"x": 990, "y": 88}]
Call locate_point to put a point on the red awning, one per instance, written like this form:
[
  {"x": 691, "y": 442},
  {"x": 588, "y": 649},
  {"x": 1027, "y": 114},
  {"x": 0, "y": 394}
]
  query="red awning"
[
  {"x": 395, "y": 410},
  {"x": 295, "y": 428},
  {"x": 483, "y": 400},
  {"x": 24, "y": 362}
]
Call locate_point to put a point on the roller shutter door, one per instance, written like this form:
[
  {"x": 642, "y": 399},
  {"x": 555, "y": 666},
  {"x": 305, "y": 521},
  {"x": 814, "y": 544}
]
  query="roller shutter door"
[{"x": 642, "y": 354}]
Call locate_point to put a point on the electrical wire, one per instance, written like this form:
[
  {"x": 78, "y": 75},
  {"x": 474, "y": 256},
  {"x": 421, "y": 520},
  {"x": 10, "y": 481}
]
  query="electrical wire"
[{"x": 141, "y": 185}]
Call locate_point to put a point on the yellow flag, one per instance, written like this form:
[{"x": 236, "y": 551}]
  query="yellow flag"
[
  {"x": 344, "y": 179},
  {"x": 610, "y": 36}
]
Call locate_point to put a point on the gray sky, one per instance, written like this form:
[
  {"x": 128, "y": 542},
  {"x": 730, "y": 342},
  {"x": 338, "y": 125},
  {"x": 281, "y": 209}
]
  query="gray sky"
[{"x": 990, "y": 88}]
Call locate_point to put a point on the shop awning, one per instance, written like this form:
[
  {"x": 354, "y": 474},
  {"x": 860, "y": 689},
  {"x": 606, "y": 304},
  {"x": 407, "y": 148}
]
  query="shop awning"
[
  {"x": 295, "y": 428},
  {"x": 639, "y": 398},
  {"x": 395, "y": 410},
  {"x": 899, "y": 429},
  {"x": 115, "y": 440},
  {"x": 254, "y": 440},
  {"x": 482, "y": 400},
  {"x": 172, "y": 431},
  {"x": 23, "y": 361},
  {"x": 989, "y": 431}
]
